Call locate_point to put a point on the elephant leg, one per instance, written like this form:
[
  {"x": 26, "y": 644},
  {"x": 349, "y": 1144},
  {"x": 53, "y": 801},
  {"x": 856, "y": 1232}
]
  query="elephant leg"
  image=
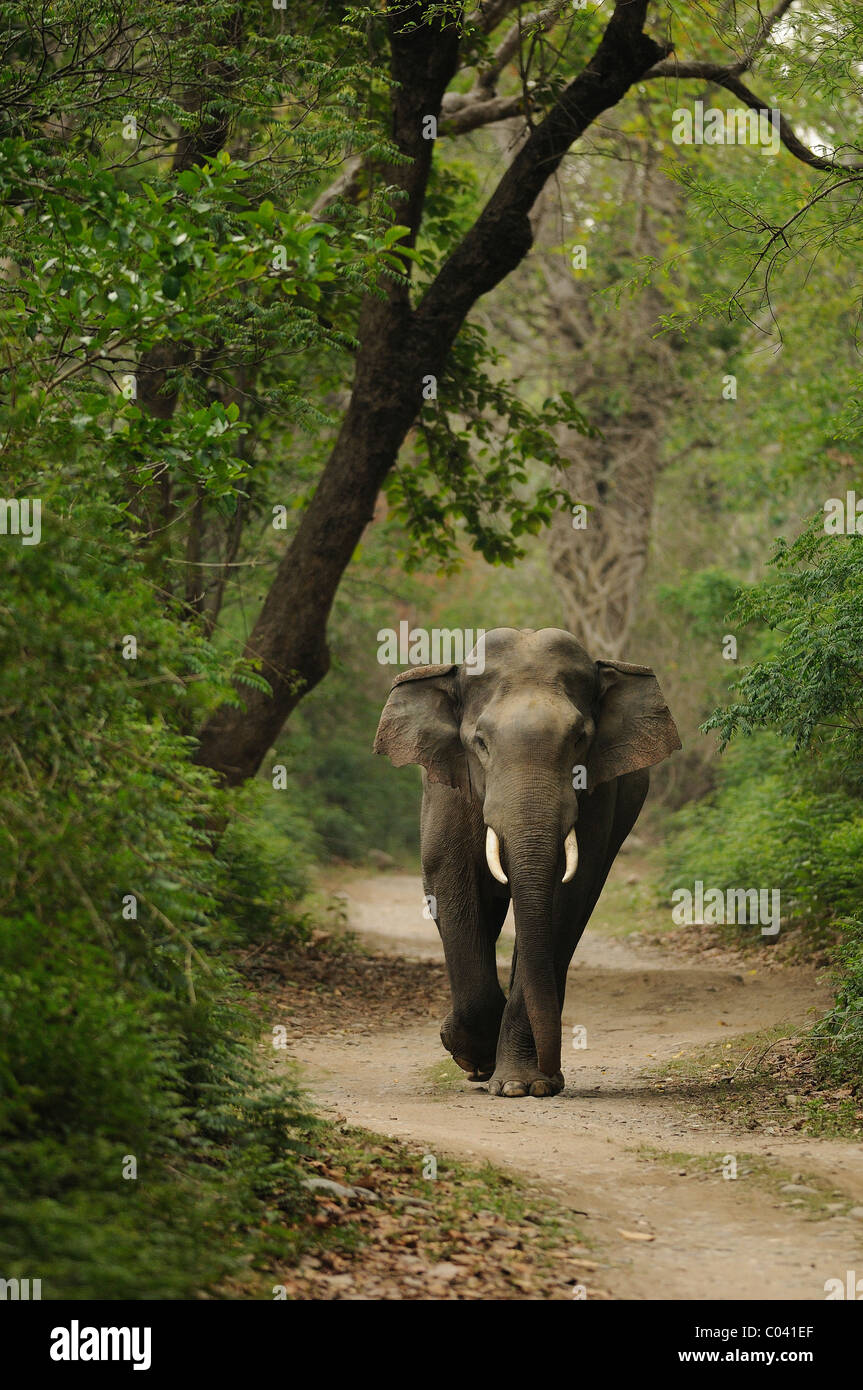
[
  {"x": 469, "y": 915},
  {"x": 470, "y": 1031},
  {"x": 516, "y": 1070},
  {"x": 626, "y": 796}
]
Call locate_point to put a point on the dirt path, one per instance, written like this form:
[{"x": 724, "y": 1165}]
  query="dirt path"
[{"x": 604, "y": 1146}]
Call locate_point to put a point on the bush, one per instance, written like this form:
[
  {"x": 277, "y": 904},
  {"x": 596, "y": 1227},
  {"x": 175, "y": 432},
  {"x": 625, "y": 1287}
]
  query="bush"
[
  {"x": 777, "y": 819},
  {"x": 790, "y": 815},
  {"x": 121, "y": 1034},
  {"x": 265, "y": 856},
  {"x": 842, "y": 1027}
]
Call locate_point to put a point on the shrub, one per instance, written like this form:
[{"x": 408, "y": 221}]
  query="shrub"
[{"x": 121, "y": 1033}]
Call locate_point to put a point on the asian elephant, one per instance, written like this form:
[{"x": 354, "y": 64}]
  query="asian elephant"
[{"x": 535, "y": 766}]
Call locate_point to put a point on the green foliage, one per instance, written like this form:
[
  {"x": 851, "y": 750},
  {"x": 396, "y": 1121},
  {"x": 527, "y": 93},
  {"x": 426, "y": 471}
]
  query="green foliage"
[
  {"x": 476, "y": 465},
  {"x": 355, "y": 802},
  {"x": 120, "y": 1032},
  {"x": 780, "y": 819},
  {"x": 810, "y": 689},
  {"x": 842, "y": 1029},
  {"x": 790, "y": 813},
  {"x": 702, "y": 598},
  {"x": 350, "y": 801},
  {"x": 266, "y": 852},
  {"x": 104, "y": 273},
  {"x": 172, "y": 316}
]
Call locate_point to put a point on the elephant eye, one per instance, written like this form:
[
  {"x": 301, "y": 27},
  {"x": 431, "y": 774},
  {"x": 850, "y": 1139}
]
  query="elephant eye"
[{"x": 480, "y": 743}]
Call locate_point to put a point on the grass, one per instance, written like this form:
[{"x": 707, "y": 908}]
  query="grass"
[
  {"x": 767, "y": 1177},
  {"x": 508, "y": 1240},
  {"x": 459, "y": 1188},
  {"x": 626, "y": 907},
  {"x": 763, "y": 1078},
  {"x": 444, "y": 1077}
]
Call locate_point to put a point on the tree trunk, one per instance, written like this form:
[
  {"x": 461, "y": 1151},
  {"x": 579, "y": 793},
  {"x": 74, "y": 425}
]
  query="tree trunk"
[
  {"x": 599, "y": 567},
  {"x": 398, "y": 346}
]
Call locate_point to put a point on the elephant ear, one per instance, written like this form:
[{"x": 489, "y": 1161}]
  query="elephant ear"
[
  {"x": 634, "y": 728},
  {"x": 419, "y": 724}
]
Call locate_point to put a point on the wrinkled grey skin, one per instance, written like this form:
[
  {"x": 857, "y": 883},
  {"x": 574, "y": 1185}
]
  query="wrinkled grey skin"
[{"x": 499, "y": 748}]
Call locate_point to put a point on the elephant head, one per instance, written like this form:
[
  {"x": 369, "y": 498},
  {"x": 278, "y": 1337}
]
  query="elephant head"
[{"x": 511, "y": 733}]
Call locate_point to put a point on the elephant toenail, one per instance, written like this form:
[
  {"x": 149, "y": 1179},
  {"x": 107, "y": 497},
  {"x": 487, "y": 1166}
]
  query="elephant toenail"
[
  {"x": 514, "y": 1088},
  {"x": 541, "y": 1088}
]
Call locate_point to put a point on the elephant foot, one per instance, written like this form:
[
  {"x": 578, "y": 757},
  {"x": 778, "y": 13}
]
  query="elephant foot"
[
  {"x": 477, "y": 1071},
  {"x": 471, "y": 1049},
  {"x": 506, "y": 1081}
]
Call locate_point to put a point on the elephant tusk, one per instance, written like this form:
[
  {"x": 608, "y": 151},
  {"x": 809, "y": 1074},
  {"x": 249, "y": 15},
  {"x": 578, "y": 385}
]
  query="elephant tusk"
[
  {"x": 570, "y": 845},
  {"x": 492, "y": 854}
]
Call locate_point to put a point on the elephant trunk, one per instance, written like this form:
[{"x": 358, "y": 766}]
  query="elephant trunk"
[{"x": 534, "y": 863}]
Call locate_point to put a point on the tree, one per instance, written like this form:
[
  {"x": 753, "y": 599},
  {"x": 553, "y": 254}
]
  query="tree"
[
  {"x": 401, "y": 343},
  {"x": 623, "y": 372},
  {"x": 186, "y": 260}
]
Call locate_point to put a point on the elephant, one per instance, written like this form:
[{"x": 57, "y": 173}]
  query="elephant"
[{"x": 534, "y": 769}]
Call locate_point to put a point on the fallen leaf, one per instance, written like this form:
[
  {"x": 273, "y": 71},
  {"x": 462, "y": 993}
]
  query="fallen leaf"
[{"x": 636, "y": 1235}]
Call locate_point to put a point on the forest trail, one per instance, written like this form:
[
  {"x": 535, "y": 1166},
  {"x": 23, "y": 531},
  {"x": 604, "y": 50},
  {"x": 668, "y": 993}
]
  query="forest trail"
[{"x": 605, "y": 1147}]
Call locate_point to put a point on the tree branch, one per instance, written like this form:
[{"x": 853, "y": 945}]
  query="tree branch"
[
  {"x": 346, "y": 185},
  {"x": 398, "y": 345},
  {"x": 474, "y": 114},
  {"x": 488, "y": 73},
  {"x": 727, "y": 77},
  {"x": 487, "y": 17},
  {"x": 502, "y": 234},
  {"x": 763, "y": 33}
]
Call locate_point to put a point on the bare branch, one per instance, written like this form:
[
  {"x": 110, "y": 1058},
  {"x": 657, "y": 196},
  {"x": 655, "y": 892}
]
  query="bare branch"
[
  {"x": 489, "y": 73},
  {"x": 487, "y": 17},
  {"x": 474, "y": 114},
  {"x": 727, "y": 77},
  {"x": 764, "y": 31}
]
